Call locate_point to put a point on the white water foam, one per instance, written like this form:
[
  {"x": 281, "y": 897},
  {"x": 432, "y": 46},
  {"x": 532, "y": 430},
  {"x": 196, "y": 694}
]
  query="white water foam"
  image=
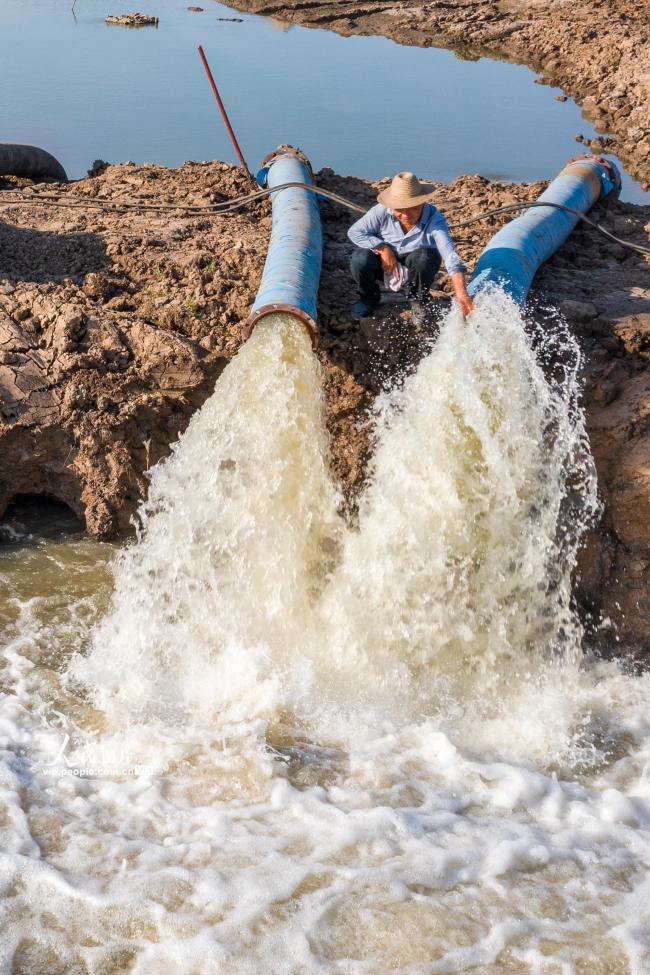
[
  {"x": 461, "y": 569},
  {"x": 370, "y": 749}
]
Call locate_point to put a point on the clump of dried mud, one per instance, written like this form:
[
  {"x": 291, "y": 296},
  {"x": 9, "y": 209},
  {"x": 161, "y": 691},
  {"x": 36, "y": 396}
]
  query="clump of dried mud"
[{"x": 115, "y": 327}]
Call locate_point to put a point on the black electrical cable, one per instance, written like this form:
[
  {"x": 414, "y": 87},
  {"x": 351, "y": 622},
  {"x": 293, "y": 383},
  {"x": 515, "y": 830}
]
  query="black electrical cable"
[
  {"x": 229, "y": 206},
  {"x": 508, "y": 208}
]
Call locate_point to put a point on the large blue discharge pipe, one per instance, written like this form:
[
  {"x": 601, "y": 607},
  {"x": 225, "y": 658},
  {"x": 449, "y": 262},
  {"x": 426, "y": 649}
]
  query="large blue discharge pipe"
[
  {"x": 293, "y": 262},
  {"x": 513, "y": 256}
]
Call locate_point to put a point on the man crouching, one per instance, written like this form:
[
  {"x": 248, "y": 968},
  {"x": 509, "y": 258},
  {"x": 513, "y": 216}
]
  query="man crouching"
[{"x": 402, "y": 240}]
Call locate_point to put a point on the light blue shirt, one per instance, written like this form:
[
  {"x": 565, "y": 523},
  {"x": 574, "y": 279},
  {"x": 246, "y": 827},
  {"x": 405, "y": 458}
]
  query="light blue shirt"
[{"x": 379, "y": 226}]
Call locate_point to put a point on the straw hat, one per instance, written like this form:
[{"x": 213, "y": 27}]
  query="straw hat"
[{"x": 405, "y": 190}]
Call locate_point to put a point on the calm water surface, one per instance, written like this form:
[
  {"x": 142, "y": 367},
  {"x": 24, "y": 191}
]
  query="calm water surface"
[{"x": 362, "y": 105}]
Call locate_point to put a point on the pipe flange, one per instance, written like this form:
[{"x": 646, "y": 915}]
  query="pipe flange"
[
  {"x": 287, "y": 150},
  {"x": 259, "y": 313},
  {"x": 612, "y": 170}
]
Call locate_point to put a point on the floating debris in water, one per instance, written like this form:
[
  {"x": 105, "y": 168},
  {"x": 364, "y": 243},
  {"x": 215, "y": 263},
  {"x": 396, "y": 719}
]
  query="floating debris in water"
[{"x": 133, "y": 20}]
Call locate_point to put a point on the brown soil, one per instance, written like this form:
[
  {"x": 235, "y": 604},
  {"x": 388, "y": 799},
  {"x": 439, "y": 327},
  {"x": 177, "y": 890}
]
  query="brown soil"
[
  {"x": 114, "y": 329},
  {"x": 599, "y": 53}
]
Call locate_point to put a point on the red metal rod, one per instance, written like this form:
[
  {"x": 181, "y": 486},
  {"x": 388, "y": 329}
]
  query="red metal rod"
[{"x": 224, "y": 114}]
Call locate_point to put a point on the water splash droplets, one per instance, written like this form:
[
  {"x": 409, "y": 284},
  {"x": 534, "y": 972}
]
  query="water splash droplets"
[{"x": 246, "y": 595}]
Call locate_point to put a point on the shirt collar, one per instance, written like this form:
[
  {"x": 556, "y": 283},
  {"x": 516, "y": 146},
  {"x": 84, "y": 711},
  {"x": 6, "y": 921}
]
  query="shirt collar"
[{"x": 422, "y": 222}]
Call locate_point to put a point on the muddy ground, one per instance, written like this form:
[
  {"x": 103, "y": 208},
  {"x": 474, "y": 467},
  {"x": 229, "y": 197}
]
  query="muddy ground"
[
  {"x": 115, "y": 327},
  {"x": 598, "y": 53}
]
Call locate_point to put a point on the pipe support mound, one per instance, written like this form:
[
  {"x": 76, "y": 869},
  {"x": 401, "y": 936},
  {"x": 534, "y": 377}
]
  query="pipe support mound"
[
  {"x": 514, "y": 255},
  {"x": 293, "y": 263},
  {"x": 30, "y": 161}
]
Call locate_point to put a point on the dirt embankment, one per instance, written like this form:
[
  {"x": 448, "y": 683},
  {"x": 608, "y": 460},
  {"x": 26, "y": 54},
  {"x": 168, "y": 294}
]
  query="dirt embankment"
[
  {"x": 598, "y": 53},
  {"x": 114, "y": 328}
]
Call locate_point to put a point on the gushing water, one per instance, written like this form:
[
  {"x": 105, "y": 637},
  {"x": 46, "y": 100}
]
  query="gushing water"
[
  {"x": 234, "y": 545},
  {"x": 463, "y": 555},
  {"x": 359, "y": 748}
]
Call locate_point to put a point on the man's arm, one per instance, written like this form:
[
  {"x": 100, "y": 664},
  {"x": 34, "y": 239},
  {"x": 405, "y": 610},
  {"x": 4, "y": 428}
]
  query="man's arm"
[
  {"x": 388, "y": 258},
  {"x": 366, "y": 232},
  {"x": 455, "y": 267},
  {"x": 465, "y": 302}
]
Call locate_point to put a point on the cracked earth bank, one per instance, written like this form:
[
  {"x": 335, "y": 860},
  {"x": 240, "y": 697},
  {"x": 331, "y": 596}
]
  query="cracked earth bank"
[
  {"x": 597, "y": 52},
  {"x": 115, "y": 327}
]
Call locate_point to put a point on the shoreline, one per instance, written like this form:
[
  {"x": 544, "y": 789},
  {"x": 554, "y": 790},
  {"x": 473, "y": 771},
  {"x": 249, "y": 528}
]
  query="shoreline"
[{"x": 598, "y": 54}]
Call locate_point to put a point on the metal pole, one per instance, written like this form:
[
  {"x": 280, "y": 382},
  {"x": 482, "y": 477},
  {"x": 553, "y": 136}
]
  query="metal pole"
[{"x": 224, "y": 114}]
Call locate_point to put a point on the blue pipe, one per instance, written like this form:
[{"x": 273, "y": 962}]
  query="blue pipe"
[
  {"x": 293, "y": 262},
  {"x": 515, "y": 253}
]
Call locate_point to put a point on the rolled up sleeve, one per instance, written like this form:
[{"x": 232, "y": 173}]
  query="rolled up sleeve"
[
  {"x": 366, "y": 231},
  {"x": 446, "y": 247}
]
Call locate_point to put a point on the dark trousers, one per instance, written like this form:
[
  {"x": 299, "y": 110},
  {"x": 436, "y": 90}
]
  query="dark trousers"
[{"x": 423, "y": 265}]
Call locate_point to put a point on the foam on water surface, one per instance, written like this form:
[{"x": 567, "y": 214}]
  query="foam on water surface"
[{"x": 293, "y": 745}]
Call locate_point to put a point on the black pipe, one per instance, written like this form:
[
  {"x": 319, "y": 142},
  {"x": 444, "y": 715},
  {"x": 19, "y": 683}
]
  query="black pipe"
[{"x": 29, "y": 161}]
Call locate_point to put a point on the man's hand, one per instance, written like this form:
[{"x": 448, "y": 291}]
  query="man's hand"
[
  {"x": 465, "y": 303},
  {"x": 387, "y": 258}
]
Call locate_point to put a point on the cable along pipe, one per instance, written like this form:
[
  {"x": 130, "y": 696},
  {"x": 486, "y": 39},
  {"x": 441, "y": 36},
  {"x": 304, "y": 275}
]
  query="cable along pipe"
[
  {"x": 15, "y": 197},
  {"x": 514, "y": 255}
]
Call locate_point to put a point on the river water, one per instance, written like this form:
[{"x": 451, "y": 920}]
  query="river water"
[
  {"x": 363, "y": 105},
  {"x": 259, "y": 739}
]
